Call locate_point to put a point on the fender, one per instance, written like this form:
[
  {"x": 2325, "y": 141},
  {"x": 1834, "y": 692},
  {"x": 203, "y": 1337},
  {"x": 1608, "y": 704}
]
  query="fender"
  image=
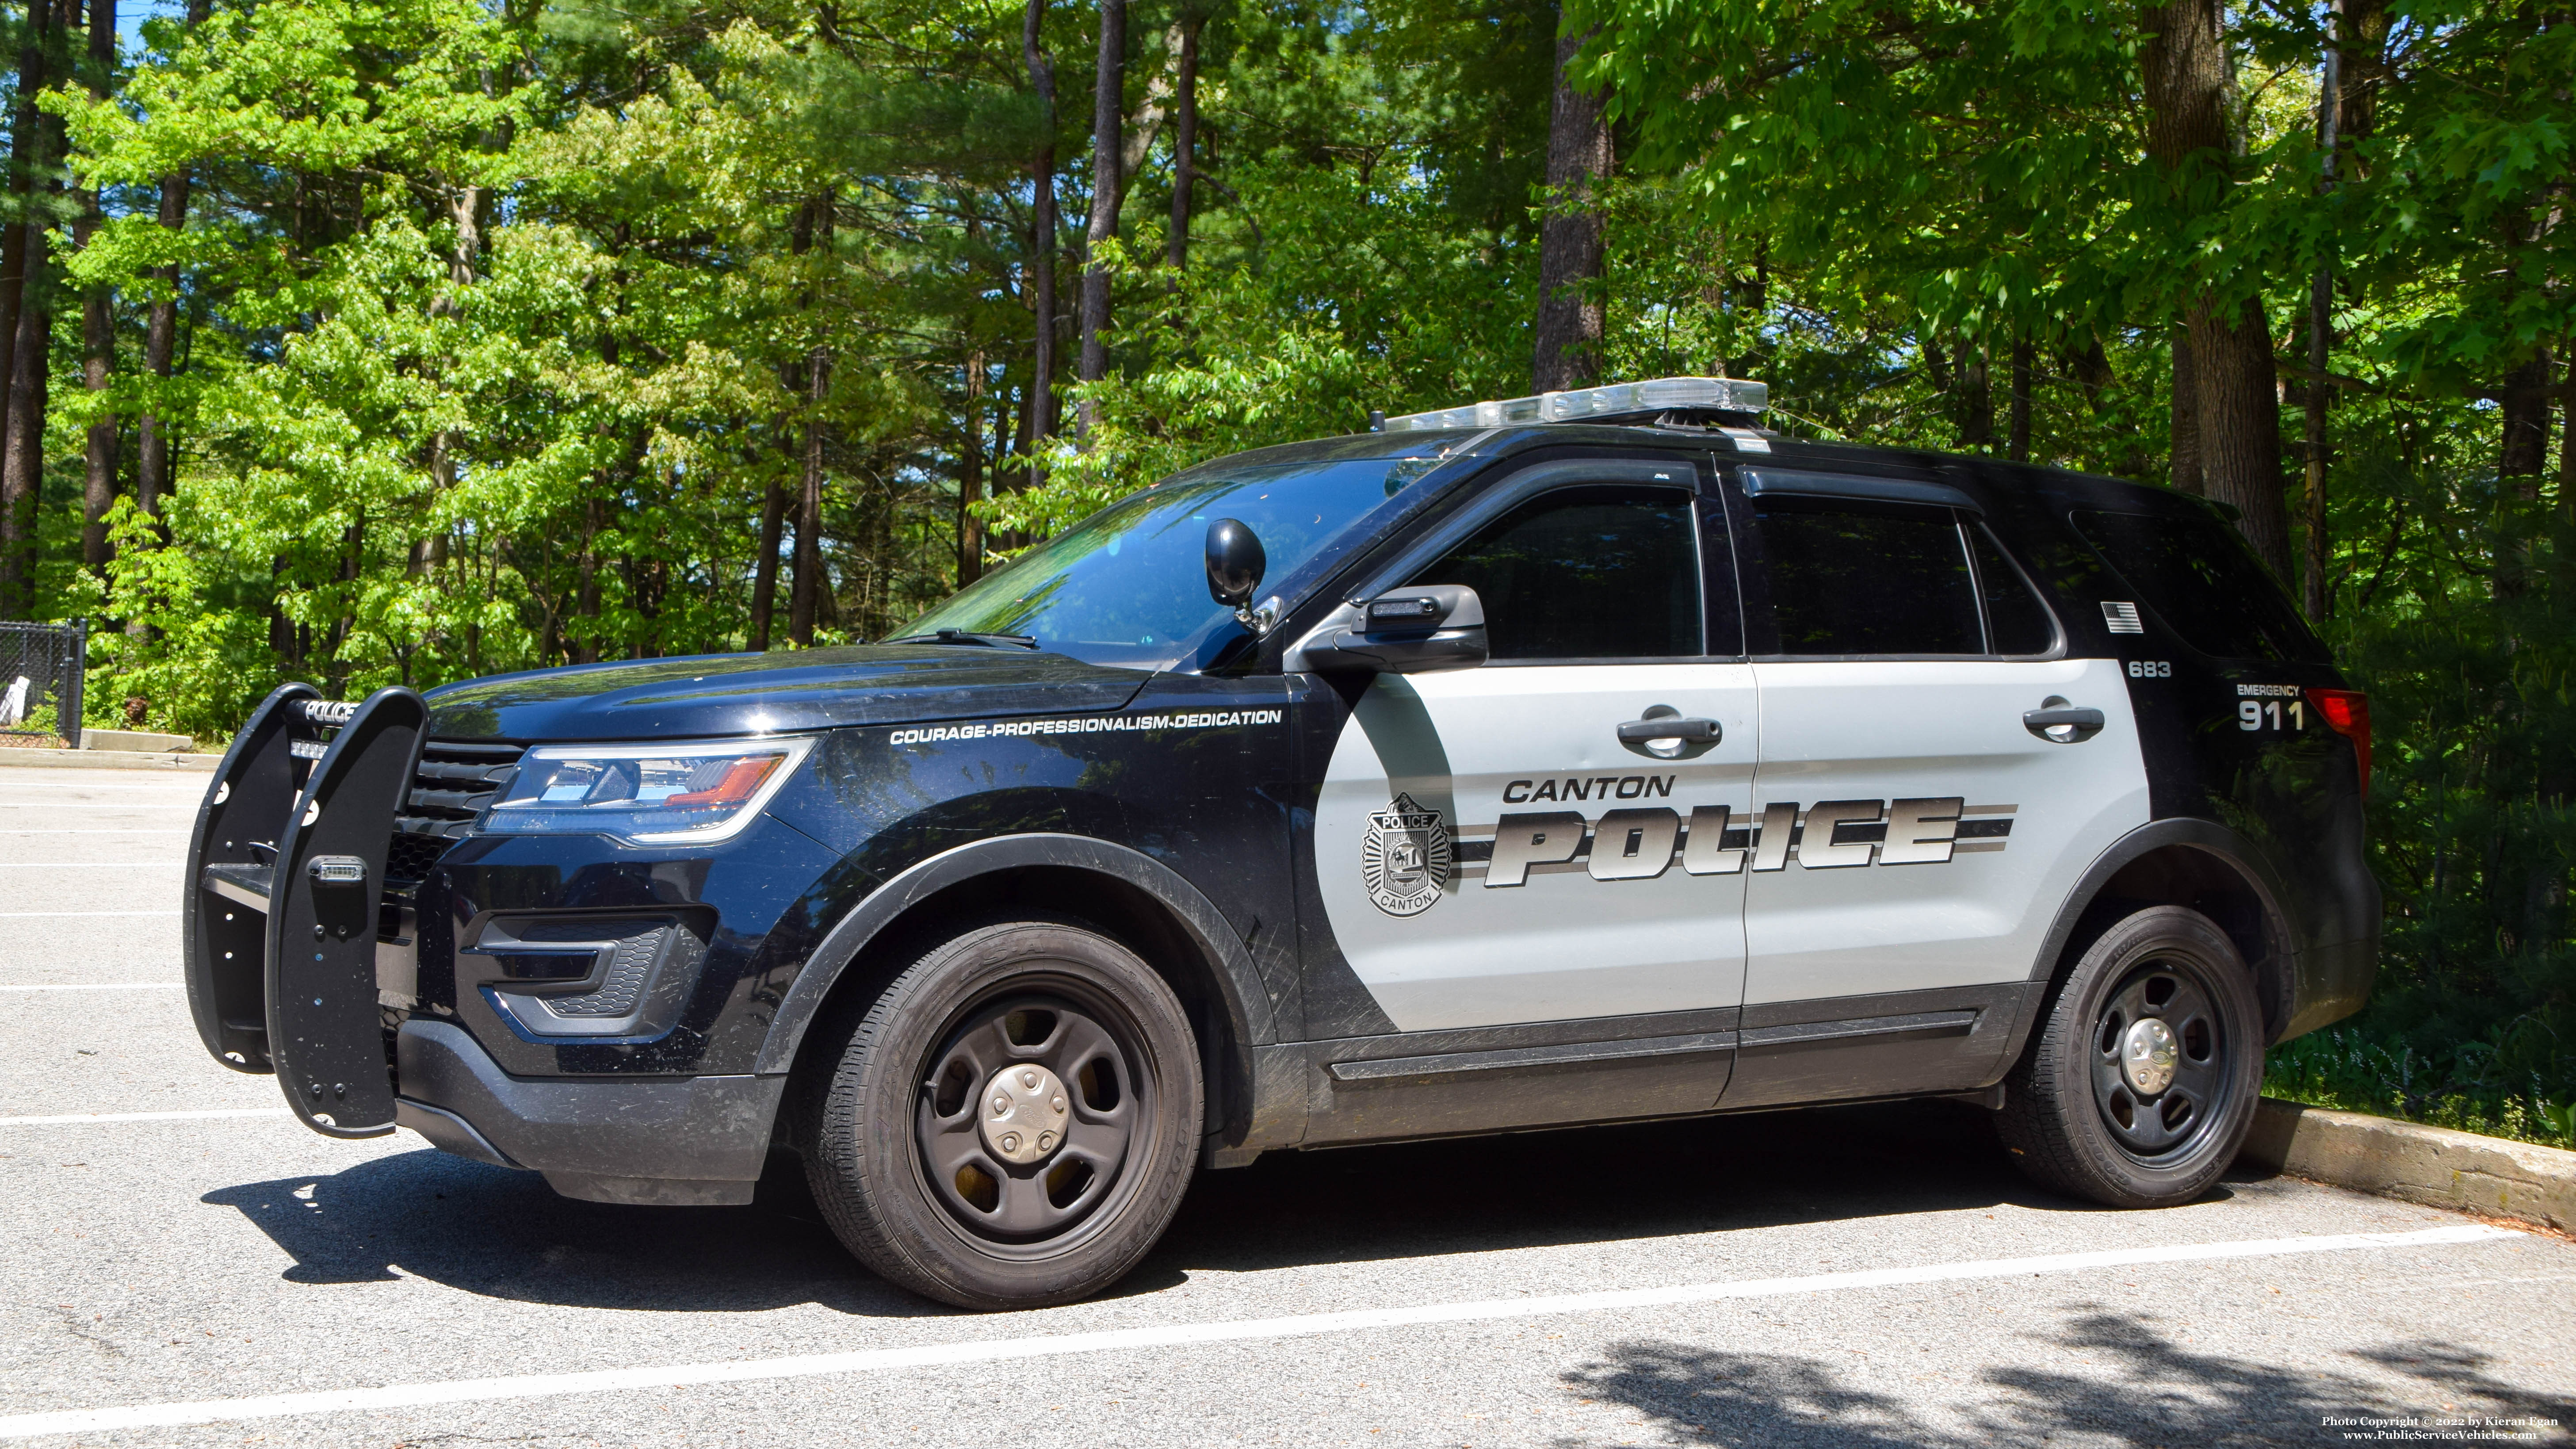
[
  {"x": 2204, "y": 835},
  {"x": 1247, "y": 1001}
]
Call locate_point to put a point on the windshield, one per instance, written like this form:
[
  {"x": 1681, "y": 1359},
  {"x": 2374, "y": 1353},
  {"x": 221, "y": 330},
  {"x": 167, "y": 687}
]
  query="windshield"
[{"x": 1128, "y": 585}]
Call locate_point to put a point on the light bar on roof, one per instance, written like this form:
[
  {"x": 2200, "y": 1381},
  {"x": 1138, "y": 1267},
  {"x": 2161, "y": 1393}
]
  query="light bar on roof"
[{"x": 1655, "y": 394}]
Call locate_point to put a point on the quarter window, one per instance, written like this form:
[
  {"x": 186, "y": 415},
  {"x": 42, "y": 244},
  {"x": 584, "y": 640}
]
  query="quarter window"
[
  {"x": 1606, "y": 571},
  {"x": 2202, "y": 580}
]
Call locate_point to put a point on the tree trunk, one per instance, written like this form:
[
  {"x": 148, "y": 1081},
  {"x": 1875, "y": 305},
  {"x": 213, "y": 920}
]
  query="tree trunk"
[
  {"x": 970, "y": 476},
  {"x": 24, "y": 131},
  {"x": 2186, "y": 416},
  {"x": 2362, "y": 74},
  {"x": 2315, "y": 596},
  {"x": 814, "y": 229},
  {"x": 98, "y": 327},
  {"x": 585, "y": 607},
  {"x": 2240, "y": 424},
  {"x": 152, "y": 475},
  {"x": 2525, "y": 451},
  {"x": 2021, "y": 363},
  {"x": 1568, "y": 352},
  {"x": 1974, "y": 407},
  {"x": 98, "y": 354},
  {"x": 764, "y": 570},
  {"x": 808, "y": 585},
  {"x": 1108, "y": 150},
  {"x": 1185, "y": 140},
  {"x": 1042, "y": 229},
  {"x": 21, "y": 257},
  {"x": 152, "y": 478},
  {"x": 2567, "y": 453},
  {"x": 22, "y": 467},
  {"x": 2236, "y": 382}
]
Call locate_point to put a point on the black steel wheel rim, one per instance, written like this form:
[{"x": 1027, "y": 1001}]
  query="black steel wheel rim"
[
  {"x": 1090, "y": 1046},
  {"x": 2166, "y": 1123}
]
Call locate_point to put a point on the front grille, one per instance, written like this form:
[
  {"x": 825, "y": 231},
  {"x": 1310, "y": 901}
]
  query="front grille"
[{"x": 455, "y": 784}]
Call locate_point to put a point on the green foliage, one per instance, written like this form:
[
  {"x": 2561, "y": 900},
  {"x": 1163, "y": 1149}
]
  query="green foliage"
[{"x": 2469, "y": 1085}]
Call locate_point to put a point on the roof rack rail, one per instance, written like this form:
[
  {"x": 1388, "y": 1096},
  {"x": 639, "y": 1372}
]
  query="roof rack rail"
[{"x": 1618, "y": 402}]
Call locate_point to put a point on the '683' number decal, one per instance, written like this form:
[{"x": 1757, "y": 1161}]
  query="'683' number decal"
[{"x": 2151, "y": 669}]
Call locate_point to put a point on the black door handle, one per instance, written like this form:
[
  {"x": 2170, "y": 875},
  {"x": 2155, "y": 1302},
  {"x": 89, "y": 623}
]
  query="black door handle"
[
  {"x": 1668, "y": 727},
  {"x": 2085, "y": 723}
]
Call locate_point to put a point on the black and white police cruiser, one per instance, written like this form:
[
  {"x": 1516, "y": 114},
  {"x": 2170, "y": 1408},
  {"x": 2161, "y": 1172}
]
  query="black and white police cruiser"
[{"x": 1583, "y": 758}]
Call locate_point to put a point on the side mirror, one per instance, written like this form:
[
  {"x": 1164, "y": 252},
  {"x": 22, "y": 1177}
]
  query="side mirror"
[
  {"x": 1234, "y": 563},
  {"x": 1408, "y": 631}
]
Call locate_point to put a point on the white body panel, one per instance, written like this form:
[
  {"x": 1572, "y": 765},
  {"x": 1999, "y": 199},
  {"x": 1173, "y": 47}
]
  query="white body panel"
[
  {"x": 1893, "y": 731},
  {"x": 1563, "y": 944}
]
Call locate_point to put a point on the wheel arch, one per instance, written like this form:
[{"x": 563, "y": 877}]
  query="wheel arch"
[
  {"x": 1147, "y": 905},
  {"x": 2183, "y": 862}
]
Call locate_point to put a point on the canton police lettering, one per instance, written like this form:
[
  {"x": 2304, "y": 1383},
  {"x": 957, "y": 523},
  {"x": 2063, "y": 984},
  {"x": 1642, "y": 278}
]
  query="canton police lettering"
[
  {"x": 1641, "y": 843},
  {"x": 1404, "y": 857}
]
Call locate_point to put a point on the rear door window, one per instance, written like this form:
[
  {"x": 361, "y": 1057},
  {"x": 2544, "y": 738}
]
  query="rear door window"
[
  {"x": 1844, "y": 576},
  {"x": 2198, "y": 576}
]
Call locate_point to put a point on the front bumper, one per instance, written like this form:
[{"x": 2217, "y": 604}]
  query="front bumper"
[{"x": 687, "y": 1141}]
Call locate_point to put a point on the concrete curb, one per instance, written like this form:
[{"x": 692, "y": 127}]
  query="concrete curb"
[
  {"x": 2431, "y": 1165},
  {"x": 108, "y": 760}
]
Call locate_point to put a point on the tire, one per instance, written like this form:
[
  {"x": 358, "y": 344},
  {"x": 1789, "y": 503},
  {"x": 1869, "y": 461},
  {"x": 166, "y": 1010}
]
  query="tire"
[
  {"x": 2080, "y": 1119},
  {"x": 1056, "y": 1197}
]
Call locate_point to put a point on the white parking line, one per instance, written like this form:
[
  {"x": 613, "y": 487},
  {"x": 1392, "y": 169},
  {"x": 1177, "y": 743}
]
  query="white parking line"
[
  {"x": 74, "y": 1117},
  {"x": 174, "y": 786},
  {"x": 174, "y": 803},
  {"x": 534, "y": 1386},
  {"x": 138, "y": 830},
  {"x": 33, "y": 915},
  {"x": 106, "y": 986}
]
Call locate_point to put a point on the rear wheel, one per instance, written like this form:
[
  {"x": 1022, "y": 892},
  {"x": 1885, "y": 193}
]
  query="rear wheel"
[
  {"x": 1013, "y": 1121},
  {"x": 2141, "y": 1080}
]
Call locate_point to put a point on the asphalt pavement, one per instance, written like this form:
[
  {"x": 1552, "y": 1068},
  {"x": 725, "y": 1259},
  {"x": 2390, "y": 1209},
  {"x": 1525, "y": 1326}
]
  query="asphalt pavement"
[{"x": 181, "y": 1263}]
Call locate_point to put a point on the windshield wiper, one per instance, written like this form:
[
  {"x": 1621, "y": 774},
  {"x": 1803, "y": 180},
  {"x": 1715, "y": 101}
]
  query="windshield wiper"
[{"x": 968, "y": 636}]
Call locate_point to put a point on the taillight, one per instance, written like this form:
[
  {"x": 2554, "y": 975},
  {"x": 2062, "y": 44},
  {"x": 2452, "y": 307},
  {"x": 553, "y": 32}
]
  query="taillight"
[{"x": 2347, "y": 713}]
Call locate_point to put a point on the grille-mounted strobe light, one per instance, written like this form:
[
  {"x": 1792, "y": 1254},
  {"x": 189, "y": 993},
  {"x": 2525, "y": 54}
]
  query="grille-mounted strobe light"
[{"x": 1654, "y": 395}]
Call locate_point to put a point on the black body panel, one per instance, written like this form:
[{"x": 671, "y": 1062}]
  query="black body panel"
[
  {"x": 784, "y": 693},
  {"x": 1943, "y": 1040}
]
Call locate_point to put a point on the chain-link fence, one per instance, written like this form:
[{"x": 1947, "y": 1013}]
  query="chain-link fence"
[{"x": 40, "y": 683}]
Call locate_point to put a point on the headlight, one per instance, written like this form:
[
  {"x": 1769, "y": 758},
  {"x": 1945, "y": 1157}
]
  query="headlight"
[{"x": 649, "y": 794}]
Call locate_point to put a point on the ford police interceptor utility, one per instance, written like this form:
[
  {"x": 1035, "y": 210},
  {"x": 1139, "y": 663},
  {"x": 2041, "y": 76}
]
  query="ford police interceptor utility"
[{"x": 1583, "y": 758}]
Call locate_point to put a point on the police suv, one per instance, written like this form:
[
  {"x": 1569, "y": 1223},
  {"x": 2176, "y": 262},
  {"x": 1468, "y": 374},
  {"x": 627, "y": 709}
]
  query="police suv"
[{"x": 1583, "y": 758}]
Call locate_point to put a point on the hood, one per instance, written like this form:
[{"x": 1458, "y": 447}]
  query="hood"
[{"x": 806, "y": 689}]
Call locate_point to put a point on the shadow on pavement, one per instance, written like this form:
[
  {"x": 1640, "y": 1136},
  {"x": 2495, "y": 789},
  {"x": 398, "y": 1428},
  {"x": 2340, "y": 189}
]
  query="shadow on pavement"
[
  {"x": 1597, "y": 1185},
  {"x": 506, "y": 1234},
  {"x": 2142, "y": 1388}
]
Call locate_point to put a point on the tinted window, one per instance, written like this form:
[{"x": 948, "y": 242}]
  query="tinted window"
[
  {"x": 1866, "y": 578},
  {"x": 1605, "y": 572},
  {"x": 2016, "y": 622},
  {"x": 1128, "y": 586},
  {"x": 2200, "y": 578}
]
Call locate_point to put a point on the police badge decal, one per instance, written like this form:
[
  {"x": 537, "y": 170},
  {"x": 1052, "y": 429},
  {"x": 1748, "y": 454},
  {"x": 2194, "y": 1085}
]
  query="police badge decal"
[{"x": 1404, "y": 858}]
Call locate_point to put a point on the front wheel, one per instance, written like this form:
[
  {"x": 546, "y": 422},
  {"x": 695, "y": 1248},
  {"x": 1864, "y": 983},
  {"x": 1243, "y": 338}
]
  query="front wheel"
[
  {"x": 1013, "y": 1121},
  {"x": 2139, "y": 1085}
]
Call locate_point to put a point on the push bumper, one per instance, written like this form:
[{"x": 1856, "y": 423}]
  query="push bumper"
[
  {"x": 691, "y": 1141},
  {"x": 286, "y": 878}
]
